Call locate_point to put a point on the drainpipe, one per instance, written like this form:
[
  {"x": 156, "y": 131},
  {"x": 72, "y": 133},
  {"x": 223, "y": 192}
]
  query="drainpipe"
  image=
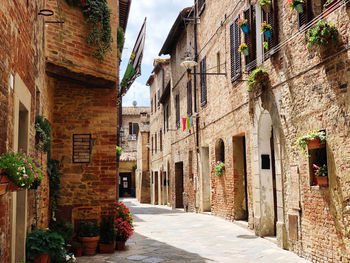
[{"x": 195, "y": 76}]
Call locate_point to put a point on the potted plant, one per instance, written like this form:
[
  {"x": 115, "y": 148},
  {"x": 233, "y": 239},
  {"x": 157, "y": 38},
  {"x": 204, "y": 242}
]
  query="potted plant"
[
  {"x": 322, "y": 34},
  {"x": 4, "y": 182},
  {"x": 107, "y": 233},
  {"x": 321, "y": 173},
  {"x": 77, "y": 248},
  {"x": 64, "y": 228},
  {"x": 243, "y": 24},
  {"x": 41, "y": 245},
  {"x": 257, "y": 76},
  {"x": 243, "y": 48},
  {"x": 265, "y": 5},
  {"x": 219, "y": 168},
  {"x": 314, "y": 139},
  {"x": 123, "y": 224},
  {"x": 298, "y": 5},
  {"x": 266, "y": 29},
  {"x": 119, "y": 151},
  {"x": 43, "y": 133},
  {"x": 20, "y": 170},
  {"x": 88, "y": 233}
]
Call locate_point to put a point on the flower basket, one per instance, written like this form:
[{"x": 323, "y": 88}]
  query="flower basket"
[
  {"x": 315, "y": 144},
  {"x": 219, "y": 168},
  {"x": 322, "y": 181},
  {"x": 299, "y": 8},
  {"x": 44, "y": 258},
  {"x": 245, "y": 29},
  {"x": 267, "y": 8},
  {"x": 268, "y": 33},
  {"x": 120, "y": 245},
  {"x": 322, "y": 33}
]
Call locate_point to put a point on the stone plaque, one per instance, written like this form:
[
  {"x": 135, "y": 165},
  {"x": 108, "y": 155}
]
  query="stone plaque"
[
  {"x": 81, "y": 148},
  {"x": 293, "y": 227},
  {"x": 294, "y": 192}
]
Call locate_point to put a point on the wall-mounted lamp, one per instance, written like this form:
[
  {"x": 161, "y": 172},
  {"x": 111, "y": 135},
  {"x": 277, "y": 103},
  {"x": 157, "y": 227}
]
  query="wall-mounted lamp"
[{"x": 189, "y": 63}]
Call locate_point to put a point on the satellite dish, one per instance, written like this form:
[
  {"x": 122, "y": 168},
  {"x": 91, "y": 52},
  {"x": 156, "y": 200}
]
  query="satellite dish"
[{"x": 134, "y": 103}]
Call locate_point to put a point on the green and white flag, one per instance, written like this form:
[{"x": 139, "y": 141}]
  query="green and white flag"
[{"x": 133, "y": 69}]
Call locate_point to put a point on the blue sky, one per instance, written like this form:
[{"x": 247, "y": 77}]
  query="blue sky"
[{"x": 161, "y": 15}]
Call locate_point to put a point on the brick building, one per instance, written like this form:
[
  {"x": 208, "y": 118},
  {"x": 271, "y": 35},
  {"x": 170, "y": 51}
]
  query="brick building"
[
  {"x": 268, "y": 182},
  {"x": 48, "y": 69},
  {"x": 132, "y": 118}
]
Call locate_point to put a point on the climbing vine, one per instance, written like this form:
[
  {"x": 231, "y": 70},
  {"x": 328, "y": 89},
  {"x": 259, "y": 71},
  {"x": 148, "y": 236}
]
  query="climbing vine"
[
  {"x": 55, "y": 183},
  {"x": 98, "y": 15}
]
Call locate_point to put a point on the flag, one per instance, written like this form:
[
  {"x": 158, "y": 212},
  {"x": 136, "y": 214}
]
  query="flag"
[
  {"x": 191, "y": 121},
  {"x": 184, "y": 120},
  {"x": 133, "y": 70},
  {"x": 188, "y": 123}
]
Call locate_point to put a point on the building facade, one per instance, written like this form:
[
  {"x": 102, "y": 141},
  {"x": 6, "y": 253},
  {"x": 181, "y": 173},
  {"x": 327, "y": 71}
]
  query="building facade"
[
  {"x": 132, "y": 118},
  {"x": 267, "y": 181},
  {"x": 48, "y": 69}
]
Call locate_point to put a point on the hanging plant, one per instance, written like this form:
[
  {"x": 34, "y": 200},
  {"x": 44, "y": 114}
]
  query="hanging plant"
[
  {"x": 265, "y": 5},
  {"x": 120, "y": 40},
  {"x": 266, "y": 29},
  {"x": 243, "y": 48},
  {"x": 43, "y": 133},
  {"x": 322, "y": 34},
  {"x": 243, "y": 24},
  {"x": 119, "y": 151},
  {"x": 314, "y": 135},
  {"x": 266, "y": 45},
  {"x": 298, "y": 5},
  {"x": 97, "y": 14},
  {"x": 219, "y": 168},
  {"x": 258, "y": 76}
]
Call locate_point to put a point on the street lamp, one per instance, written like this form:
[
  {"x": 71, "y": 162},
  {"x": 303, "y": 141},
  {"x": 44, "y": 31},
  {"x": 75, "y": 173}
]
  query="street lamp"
[{"x": 189, "y": 63}]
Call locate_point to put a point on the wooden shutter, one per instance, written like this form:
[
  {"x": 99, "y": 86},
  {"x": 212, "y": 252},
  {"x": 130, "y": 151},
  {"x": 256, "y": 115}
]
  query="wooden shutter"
[
  {"x": 306, "y": 16},
  {"x": 235, "y": 41},
  {"x": 177, "y": 107},
  {"x": 250, "y": 38},
  {"x": 271, "y": 18},
  {"x": 203, "y": 81},
  {"x": 155, "y": 143},
  {"x": 130, "y": 128},
  {"x": 189, "y": 97}
]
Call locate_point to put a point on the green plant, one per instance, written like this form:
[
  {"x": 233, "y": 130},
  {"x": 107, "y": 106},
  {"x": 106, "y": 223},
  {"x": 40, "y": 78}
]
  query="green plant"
[
  {"x": 266, "y": 45},
  {"x": 293, "y": 3},
  {"x": 219, "y": 168},
  {"x": 327, "y": 3},
  {"x": 321, "y": 34},
  {"x": 107, "y": 231},
  {"x": 44, "y": 242},
  {"x": 242, "y": 47},
  {"x": 43, "y": 133},
  {"x": 64, "y": 228},
  {"x": 320, "y": 171},
  {"x": 55, "y": 183},
  {"x": 242, "y": 22},
  {"x": 88, "y": 229},
  {"x": 303, "y": 140},
  {"x": 121, "y": 211},
  {"x": 119, "y": 151},
  {"x": 134, "y": 168},
  {"x": 21, "y": 169},
  {"x": 258, "y": 75},
  {"x": 264, "y": 2},
  {"x": 265, "y": 27},
  {"x": 98, "y": 15},
  {"x": 120, "y": 39}
]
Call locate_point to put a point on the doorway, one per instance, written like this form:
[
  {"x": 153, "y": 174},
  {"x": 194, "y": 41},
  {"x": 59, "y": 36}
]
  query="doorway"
[
  {"x": 268, "y": 195},
  {"x": 205, "y": 180},
  {"x": 179, "y": 185},
  {"x": 156, "y": 186},
  {"x": 125, "y": 186}
]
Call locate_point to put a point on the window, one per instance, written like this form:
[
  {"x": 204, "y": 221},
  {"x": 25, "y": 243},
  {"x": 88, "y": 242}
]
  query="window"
[
  {"x": 152, "y": 145},
  {"x": 203, "y": 81},
  {"x": 133, "y": 128},
  {"x": 155, "y": 102},
  {"x": 151, "y": 106},
  {"x": 177, "y": 109},
  {"x": 271, "y": 19},
  {"x": 250, "y": 38},
  {"x": 158, "y": 103},
  {"x": 317, "y": 159},
  {"x": 189, "y": 98},
  {"x": 235, "y": 41},
  {"x": 220, "y": 151},
  {"x": 218, "y": 62},
  {"x": 160, "y": 141},
  {"x": 306, "y": 16},
  {"x": 201, "y": 6}
]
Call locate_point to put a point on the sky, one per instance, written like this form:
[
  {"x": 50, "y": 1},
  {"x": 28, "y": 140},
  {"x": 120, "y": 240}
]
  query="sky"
[{"x": 161, "y": 15}]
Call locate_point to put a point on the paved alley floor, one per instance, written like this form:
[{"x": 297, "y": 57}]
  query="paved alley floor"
[{"x": 165, "y": 235}]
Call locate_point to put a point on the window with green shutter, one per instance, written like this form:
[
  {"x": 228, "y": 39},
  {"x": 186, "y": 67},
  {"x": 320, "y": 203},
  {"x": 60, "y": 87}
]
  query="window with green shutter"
[{"x": 235, "y": 41}]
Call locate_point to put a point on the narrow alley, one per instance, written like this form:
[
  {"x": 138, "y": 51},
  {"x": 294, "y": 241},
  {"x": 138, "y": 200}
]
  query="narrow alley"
[{"x": 165, "y": 235}]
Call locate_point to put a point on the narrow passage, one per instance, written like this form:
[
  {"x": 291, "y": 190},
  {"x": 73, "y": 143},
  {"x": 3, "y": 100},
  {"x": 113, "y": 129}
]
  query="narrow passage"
[{"x": 165, "y": 235}]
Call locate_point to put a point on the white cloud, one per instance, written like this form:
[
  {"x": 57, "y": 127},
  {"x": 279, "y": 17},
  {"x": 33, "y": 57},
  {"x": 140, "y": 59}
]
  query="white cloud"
[
  {"x": 139, "y": 92},
  {"x": 161, "y": 15}
]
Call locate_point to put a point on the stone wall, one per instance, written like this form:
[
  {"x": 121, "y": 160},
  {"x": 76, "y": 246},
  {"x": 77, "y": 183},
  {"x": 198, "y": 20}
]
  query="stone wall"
[{"x": 143, "y": 190}]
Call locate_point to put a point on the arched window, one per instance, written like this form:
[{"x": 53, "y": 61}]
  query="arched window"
[{"x": 220, "y": 151}]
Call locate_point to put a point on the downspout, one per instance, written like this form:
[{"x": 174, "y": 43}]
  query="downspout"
[{"x": 195, "y": 76}]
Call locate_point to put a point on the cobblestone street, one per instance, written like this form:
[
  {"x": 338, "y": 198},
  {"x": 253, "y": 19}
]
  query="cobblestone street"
[{"x": 165, "y": 235}]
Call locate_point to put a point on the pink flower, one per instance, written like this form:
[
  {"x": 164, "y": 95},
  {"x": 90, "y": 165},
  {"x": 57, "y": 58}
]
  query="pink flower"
[{"x": 25, "y": 161}]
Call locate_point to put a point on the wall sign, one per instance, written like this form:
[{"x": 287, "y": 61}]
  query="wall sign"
[{"x": 81, "y": 148}]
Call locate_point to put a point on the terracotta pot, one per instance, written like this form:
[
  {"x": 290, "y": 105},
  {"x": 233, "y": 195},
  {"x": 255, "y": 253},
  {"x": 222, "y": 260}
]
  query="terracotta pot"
[
  {"x": 120, "y": 245},
  {"x": 107, "y": 248},
  {"x": 45, "y": 258},
  {"x": 89, "y": 245},
  {"x": 78, "y": 252},
  {"x": 266, "y": 8},
  {"x": 322, "y": 181},
  {"x": 3, "y": 178},
  {"x": 315, "y": 144}
]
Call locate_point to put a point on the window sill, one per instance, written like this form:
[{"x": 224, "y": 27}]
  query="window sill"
[{"x": 319, "y": 188}]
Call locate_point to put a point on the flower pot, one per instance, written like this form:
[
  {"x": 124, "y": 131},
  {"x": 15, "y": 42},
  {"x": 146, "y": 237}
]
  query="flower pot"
[
  {"x": 245, "y": 52},
  {"x": 107, "y": 248},
  {"x": 120, "y": 245},
  {"x": 299, "y": 8},
  {"x": 78, "y": 252},
  {"x": 245, "y": 29},
  {"x": 89, "y": 245},
  {"x": 315, "y": 144},
  {"x": 44, "y": 258},
  {"x": 322, "y": 181},
  {"x": 3, "y": 189},
  {"x": 268, "y": 33},
  {"x": 266, "y": 8}
]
